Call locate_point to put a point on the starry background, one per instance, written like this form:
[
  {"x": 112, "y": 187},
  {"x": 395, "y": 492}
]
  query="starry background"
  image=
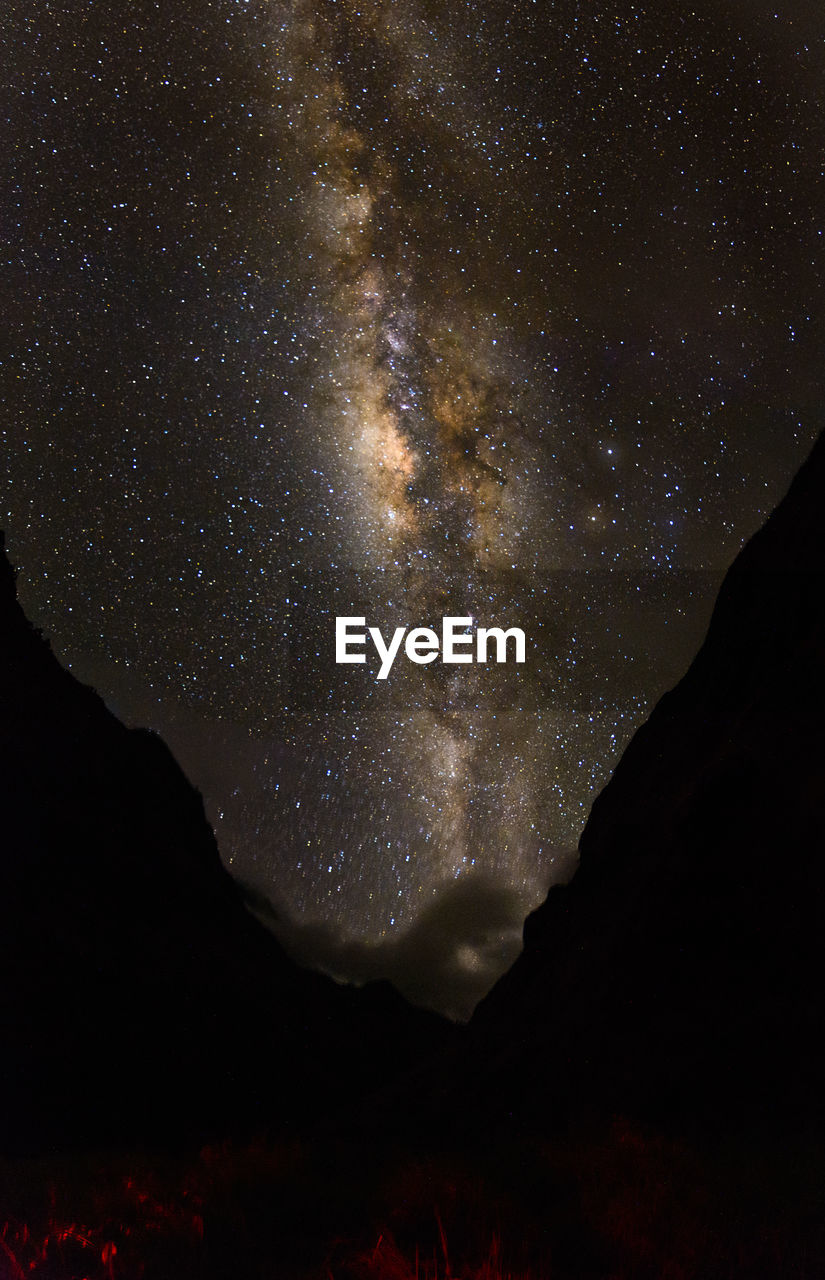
[{"x": 401, "y": 309}]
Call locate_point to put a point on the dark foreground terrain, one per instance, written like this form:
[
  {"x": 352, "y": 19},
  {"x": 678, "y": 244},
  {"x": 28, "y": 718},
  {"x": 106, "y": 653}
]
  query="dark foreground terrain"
[
  {"x": 640, "y": 1096},
  {"x": 623, "y": 1203}
]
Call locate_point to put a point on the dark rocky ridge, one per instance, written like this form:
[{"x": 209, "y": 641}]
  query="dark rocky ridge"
[
  {"x": 680, "y": 972},
  {"x": 138, "y": 997}
]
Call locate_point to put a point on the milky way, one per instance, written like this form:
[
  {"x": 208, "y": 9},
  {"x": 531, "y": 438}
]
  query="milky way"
[{"x": 401, "y": 311}]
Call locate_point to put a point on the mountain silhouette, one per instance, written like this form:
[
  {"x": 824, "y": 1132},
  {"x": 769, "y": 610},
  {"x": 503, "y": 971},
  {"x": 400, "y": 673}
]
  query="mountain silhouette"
[
  {"x": 139, "y": 999},
  {"x": 680, "y": 972}
]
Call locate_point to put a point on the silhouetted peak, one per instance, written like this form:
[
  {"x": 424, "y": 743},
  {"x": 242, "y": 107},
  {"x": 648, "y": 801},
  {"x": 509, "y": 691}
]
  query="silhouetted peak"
[
  {"x": 138, "y": 997},
  {"x": 681, "y": 968}
]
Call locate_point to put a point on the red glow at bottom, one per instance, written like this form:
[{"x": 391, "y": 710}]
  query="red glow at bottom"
[{"x": 623, "y": 1205}]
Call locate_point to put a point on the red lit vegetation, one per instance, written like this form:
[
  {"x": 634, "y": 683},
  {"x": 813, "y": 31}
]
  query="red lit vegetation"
[{"x": 624, "y": 1207}]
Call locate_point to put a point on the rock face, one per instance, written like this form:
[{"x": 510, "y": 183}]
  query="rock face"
[
  {"x": 681, "y": 970},
  {"x": 138, "y": 998}
]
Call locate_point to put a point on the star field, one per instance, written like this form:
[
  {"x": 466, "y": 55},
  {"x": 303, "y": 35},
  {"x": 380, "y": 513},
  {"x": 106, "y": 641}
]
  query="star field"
[{"x": 401, "y": 310}]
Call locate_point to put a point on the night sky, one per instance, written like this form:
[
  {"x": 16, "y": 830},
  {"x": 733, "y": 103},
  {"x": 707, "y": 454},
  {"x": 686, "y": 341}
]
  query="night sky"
[{"x": 401, "y": 310}]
